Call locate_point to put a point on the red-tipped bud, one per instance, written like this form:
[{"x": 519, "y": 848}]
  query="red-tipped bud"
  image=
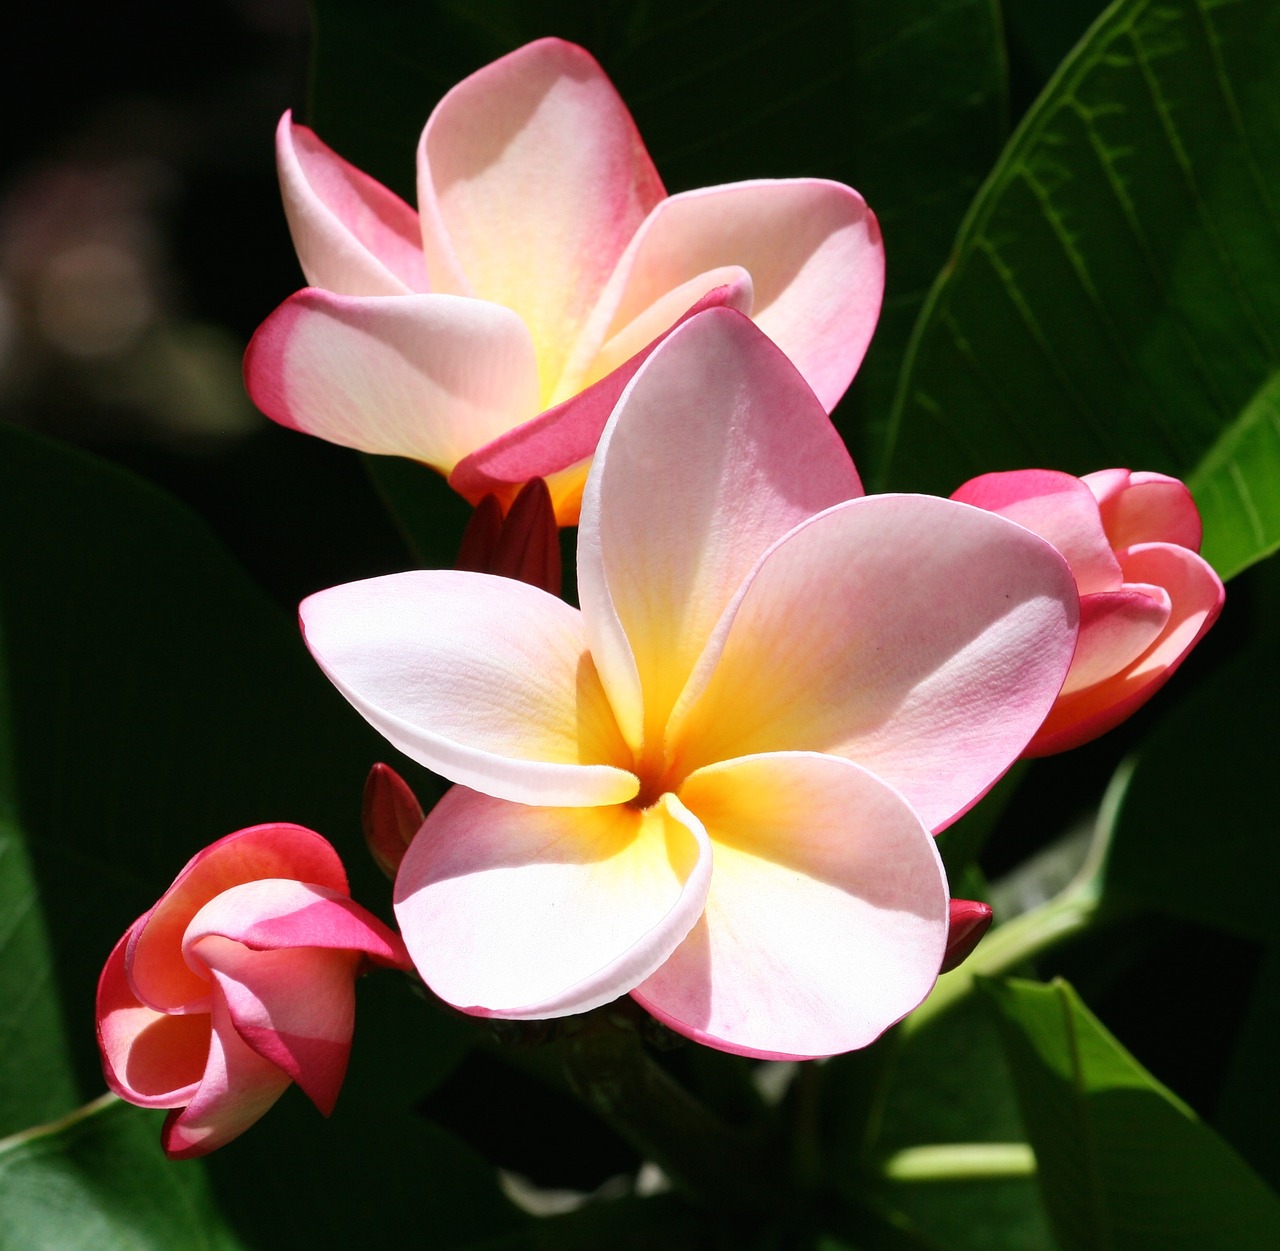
[
  {"x": 391, "y": 816},
  {"x": 524, "y": 545},
  {"x": 970, "y": 920}
]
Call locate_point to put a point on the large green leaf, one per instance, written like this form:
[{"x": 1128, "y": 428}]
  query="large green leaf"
[
  {"x": 1237, "y": 485},
  {"x": 98, "y": 1181},
  {"x": 906, "y": 102},
  {"x": 1122, "y": 1162},
  {"x": 1114, "y": 296},
  {"x": 155, "y": 701}
]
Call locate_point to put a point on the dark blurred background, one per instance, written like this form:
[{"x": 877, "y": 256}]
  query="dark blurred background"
[{"x": 141, "y": 243}]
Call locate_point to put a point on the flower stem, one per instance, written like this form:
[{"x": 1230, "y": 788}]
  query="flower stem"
[{"x": 719, "y": 1166}]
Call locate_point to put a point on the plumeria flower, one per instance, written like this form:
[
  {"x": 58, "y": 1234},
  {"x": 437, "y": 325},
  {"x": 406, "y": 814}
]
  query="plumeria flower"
[
  {"x": 713, "y": 787},
  {"x": 490, "y": 333},
  {"x": 1146, "y": 596},
  {"x": 238, "y": 982}
]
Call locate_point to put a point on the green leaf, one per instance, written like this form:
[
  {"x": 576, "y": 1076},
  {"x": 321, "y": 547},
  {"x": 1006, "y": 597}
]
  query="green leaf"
[
  {"x": 1123, "y": 1163},
  {"x": 1192, "y": 830},
  {"x": 1237, "y": 486},
  {"x": 98, "y": 1181},
  {"x": 155, "y": 701},
  {"x": 905, "y": 102},
  {"x": 1114, "y": 295},
  {"x": 946, "y": 1085}
]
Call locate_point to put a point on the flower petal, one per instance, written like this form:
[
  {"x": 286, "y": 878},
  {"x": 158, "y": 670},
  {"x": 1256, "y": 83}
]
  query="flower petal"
[
  {"x": 285, "y": 956},
  {"x": 148, "y": 1058},
  {"x": 921, "y": 638},
  {"x": 1116, "y": 627},
  {"x": 426, "y": 376},
  {"x": 558, "y": 444},
  {"x": 237, "y": 1087},
  {"x": 1145, "y": 507},
  {"x": 827, "y": 915},
  {"x": 1057, "y": 507},
  {"x": 157, "y": 972},
  {"x": 1195, "y": 596},
  {"x": 483, "y": 679},
  {"x": 519, "y": 911},
  {"x": 532, "y": 179},
  {"x": 716, "y": 450},
  {"x": 814, "y": 253},
  {"x": 352, "y": 235}
]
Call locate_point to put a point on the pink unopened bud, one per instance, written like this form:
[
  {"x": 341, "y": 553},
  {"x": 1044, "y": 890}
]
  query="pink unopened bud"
[
  {"x": 239, "y": 981},
  {"x": 970, "y": 920},
  {"x": 524, "y": 545},
  {"x": 391, "y": 816}
]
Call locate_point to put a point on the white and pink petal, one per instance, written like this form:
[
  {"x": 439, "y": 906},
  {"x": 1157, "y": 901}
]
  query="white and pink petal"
[
  {"x": 431, "y": 377},
  {"x": 527, "y": 912},
  {"x": 352, "y": 235},
  {"x": 486, "y": 680},
  {"x": 716, "y": 449},
  {"x": 827, "y": 916},
  {"x": 921, "y": 638}
]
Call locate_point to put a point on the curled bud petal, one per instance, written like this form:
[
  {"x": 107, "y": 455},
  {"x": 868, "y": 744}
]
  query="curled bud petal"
[
  {"x": 970, "y": 920},
  {"x": 391, "y": 816}
]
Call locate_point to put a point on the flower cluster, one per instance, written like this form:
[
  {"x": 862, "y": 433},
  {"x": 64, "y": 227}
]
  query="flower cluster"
[{"x": 714, "y": 786}]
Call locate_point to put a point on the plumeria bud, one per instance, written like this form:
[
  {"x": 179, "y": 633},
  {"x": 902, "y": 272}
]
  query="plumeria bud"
[
  {"x": 970, "y": 920},
  {"x": 524, "y": 544},
  {"x": 238, "y": 982},
  {"x": 1146, "y": 596},
  {"x": 391, "y": 816}
]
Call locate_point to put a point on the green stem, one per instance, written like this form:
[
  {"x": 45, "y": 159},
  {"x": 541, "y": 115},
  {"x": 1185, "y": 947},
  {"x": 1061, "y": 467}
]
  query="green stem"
[
  {"x": 960, "y": 1161},
  {"x": 719, "y": 1166}
]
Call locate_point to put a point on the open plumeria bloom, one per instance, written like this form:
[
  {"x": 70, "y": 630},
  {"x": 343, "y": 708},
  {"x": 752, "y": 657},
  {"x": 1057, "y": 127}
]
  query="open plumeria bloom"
[
  {"x": 490, "y": 333},
  {"x": 1146, "y": 595},
  {"x": 713, "y": 787}
]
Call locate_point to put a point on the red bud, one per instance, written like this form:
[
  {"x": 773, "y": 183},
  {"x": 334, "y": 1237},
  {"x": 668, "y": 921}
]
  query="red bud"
[
  {"x": 391, "y": 816},
  {"x": 970, "y": 920}
]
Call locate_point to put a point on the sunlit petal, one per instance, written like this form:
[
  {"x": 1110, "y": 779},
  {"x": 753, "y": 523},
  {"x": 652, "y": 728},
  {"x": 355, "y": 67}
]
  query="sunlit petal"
[
  {"x": 924, "y": 639},
  {"x": 518, "y": 911},
  {"x": 483, "y": 679},
  {"x": 352, "y": 235},
  {"x": 827, "y": 914},
  {"x": 716, "y": 450}
]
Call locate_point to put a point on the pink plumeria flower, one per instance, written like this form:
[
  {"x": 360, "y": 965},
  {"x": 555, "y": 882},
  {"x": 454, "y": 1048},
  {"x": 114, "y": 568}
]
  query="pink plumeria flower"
[
  {"x": 490, "y": 333},
  {"x": 238, "y": 982},
  {"x": 1146, "y": 596},
  {"x": 712, "y": 787}
]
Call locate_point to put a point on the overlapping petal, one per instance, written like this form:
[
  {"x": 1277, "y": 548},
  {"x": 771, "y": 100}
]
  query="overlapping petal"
[
  {"x": 532, "y": 179},
  {"x": 922, "y": 638},
  {"x": 156, "y": 967},
  {"x": 237, "y": 1087},
  {"x": 814, "y": 253},
  {"x": 431, "y": 377},
  {"x": 679, "y": 507},
  {"x": 1145, "y": 507},
  {"x": 1058, "y": 507},
  {"x": 352, "y": 235},
  {"x": 519, "y": 911},
  {"x": 558, "y": 444},
  {"x": 1195, "y": 595},
  {"x": 827, "y": 915},
  {"x": 484, "y": 679}
]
